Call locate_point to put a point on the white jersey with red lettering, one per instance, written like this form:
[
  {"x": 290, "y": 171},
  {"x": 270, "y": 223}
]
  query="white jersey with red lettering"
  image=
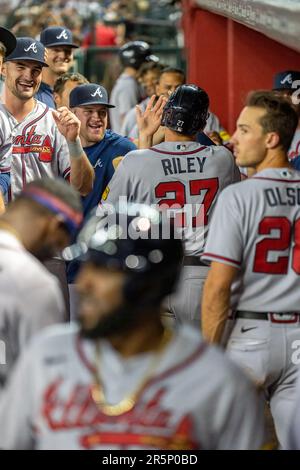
[
  {"x": 256, "y": 228},
  {"x": 32, "y": 148},
  {"x": 182, "y": 406},
  {"x": 184, "y": 179}
]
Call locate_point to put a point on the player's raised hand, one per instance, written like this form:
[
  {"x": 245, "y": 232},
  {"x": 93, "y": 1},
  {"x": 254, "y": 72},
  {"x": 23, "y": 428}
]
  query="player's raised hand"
[
  {"x": 68, "y": 124},
  {"x": 149, "y": 121}
]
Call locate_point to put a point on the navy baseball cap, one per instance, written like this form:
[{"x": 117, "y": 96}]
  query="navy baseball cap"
[
  {"x": 284, "y": 80},
  {"x": 57, "y": 36},
  {"x": 28, "y": 49},
  {"x": 8, "y": 39},
  {"x": 90, "y": 93}
]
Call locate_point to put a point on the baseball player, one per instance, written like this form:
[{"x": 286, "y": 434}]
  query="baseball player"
[
  {"x": 286, "y": 84},
  {"x": 127, "y": 92},
  {"x": 41, "y": 220},
  {"x": 58, "y": 41},
  {"x": 104, "y": 149},
  {"x": 7, "y": 45},
  {"x": 148, "y": 76},
  {"x": 169, "y": 79},
  {"x": 121, "y": 380},
  {"x": 253, "y": 245},
  {"x": 180, "y": 176},
  {"x": 34, "y": 141}
]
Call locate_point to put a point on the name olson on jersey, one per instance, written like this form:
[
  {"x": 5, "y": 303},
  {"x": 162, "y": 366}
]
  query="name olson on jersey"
[{"x": 282, "y": 196}]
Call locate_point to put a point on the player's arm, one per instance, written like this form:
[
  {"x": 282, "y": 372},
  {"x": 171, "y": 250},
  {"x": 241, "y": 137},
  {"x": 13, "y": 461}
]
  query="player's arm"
[
  {"x": 216, "y": 300},
  {"x": 4, "y": 186},
  {"x": 2, "y": 205},
  {"x": 82, "y": 173},
  {"x": 149, "y": 121}
]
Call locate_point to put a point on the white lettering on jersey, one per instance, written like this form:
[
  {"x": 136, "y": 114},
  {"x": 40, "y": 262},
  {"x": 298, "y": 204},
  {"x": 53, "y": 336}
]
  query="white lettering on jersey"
[
  {"x": 97, "y": 92},
  {"x": 31, "y": 47},
  {"x": 296, "y": 94},
  {"x": 63, "y": 34},
  {"x": 287, "y": 78}
]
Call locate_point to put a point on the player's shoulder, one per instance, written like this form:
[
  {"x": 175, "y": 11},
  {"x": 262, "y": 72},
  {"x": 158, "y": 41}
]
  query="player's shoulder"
[
  {"x": 221, "y": 152},
  {"x": 37, "y": 278},
  {"x": 119, "y": 141},
  {"x": 55, "y": 338}
]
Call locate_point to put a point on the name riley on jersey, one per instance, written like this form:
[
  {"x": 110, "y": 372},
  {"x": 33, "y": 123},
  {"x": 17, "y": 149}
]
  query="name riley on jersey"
[{"x": 175, "y": 165}]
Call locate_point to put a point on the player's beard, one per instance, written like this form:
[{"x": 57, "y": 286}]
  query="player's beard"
[
  {"x": 118, "y": 321},
  {"x": 17, "y": 91}
]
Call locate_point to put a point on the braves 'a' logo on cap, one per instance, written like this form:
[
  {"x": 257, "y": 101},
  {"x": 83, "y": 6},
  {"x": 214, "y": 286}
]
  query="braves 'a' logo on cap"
[
  {"x": 32, "y": 48},
  {"x": 97, "y": 92},
  {"x": 287, "y": 79},
  {"x": 63, "y": 34}
]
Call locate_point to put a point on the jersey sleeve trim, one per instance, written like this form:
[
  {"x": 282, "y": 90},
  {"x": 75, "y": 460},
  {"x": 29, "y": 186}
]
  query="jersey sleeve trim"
[
  {"x": 5, "y": 169},
  {"x": 222, "y": 259},
  {"x": 275, "y": 179},
  {"x": 164, "y": 152},
  {"x": 66, "y": 173}
]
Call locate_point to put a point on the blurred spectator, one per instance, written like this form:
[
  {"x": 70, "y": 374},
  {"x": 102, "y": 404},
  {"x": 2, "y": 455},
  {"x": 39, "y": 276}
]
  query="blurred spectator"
[{"x": 101, "y": 35}]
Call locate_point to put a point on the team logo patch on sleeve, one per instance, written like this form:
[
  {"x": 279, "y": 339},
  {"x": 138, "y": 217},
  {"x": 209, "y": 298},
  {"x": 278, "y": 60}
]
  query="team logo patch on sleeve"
[{"x": 105, "y": 193}]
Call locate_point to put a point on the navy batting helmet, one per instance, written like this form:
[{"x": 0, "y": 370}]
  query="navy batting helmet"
[
  {"x": 135, "y": 53},
  {"x": 138, "y": 240},
  {"x": 186, "y": 110}
]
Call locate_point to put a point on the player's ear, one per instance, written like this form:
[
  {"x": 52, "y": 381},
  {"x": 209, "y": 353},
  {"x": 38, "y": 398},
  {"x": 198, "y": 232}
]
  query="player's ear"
[
  {"x": 57, "y": 99},
  {"x": 4, "y": 69},
  {"x": 57, "y": 232},
  {"x": 272, "y": 140}
]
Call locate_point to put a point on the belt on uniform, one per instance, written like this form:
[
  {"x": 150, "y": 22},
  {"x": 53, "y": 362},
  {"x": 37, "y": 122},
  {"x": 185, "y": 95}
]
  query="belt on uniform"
[
  {"x": 273, "y": 316},
  {"x": 193, "y": 261}
]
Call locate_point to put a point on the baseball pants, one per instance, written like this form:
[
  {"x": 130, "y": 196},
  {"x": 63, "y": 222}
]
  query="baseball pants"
[
  {"x": 266, "y": 350},
  {"x": 185, "y": 303}
]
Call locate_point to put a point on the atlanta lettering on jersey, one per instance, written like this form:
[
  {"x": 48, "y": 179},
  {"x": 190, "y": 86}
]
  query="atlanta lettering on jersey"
[
  {"x": 176, "y": 165},
  {"x": 282, "y": 196},
  {"x": 31, "y": 142}
]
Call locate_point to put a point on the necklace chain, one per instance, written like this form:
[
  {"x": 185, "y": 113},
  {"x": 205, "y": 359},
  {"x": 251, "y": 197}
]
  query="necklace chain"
[{"x": 128, "y": 402}]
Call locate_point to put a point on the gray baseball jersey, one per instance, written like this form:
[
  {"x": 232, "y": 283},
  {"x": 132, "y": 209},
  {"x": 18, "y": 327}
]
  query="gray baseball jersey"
[
  {"x": 183, "y": 406},
  {"x": 30, "y": 299},
  {"x": 251, "y": 229},
  {"x": 256, "y": 228},
  {"x": 32, "y": 148},
  {"x": 125, "y": 94},
  {"x": 186, "y": 179}
]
